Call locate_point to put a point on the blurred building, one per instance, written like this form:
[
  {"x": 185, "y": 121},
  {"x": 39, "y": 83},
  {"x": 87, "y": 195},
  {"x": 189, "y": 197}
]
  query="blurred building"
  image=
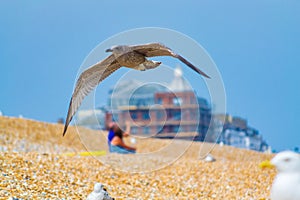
[
  {"x": 133, "y": 93},
  {"x": 155, "y": 110},
  {"x": 237, "y": 133}
]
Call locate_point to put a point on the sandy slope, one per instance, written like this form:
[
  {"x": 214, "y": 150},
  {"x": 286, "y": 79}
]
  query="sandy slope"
[{"x": 34, "y": 166}]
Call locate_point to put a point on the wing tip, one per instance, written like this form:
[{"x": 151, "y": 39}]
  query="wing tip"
[
  {"x": 185, "y": 61},
  {"x": 69, "y": 118},
  {"x": 65, "y": 130},
  {"x": 67, "y": 125},
  {"x": 206, "y": 76}
]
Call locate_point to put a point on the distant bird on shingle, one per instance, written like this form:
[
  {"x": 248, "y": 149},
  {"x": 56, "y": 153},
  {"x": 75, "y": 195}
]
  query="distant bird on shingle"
[
  {"x": 209, "y": 158},
  {"x": 99, "y": 193},
  {"x": 134, "y": 57}
]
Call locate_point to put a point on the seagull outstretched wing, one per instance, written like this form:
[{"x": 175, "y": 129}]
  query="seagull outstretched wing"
[
  {"x": 87, "y": 81},
  {"x": 157, "y": 49}
]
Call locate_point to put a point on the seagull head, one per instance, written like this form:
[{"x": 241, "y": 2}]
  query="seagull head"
[
  {"x": 117, "y": 48},
  {"x": 287, "y": 161},
  {"x": 108, "y": 50},
  {"x": 98, "y": 187},
  {"x": 114, "y": 48}
]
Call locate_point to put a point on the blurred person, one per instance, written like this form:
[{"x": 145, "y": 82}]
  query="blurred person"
[{"x": 116, "y": 143}]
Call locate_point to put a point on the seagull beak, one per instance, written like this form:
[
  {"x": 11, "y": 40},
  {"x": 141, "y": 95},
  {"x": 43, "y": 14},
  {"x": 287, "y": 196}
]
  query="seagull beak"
[
  {"x": 108, "y": 50},
  {"x": 266, "y": 164}
]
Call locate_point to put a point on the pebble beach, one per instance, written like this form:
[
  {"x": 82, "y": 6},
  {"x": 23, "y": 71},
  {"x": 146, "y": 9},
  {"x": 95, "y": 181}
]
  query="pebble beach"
[{"x": 36, "y": 162}]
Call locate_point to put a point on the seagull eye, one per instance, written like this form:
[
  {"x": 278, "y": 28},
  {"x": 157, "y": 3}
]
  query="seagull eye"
[{"x": 287, "y": 160}]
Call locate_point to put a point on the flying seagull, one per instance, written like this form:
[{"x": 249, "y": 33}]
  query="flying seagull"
[{"x": 134, "y": 57}]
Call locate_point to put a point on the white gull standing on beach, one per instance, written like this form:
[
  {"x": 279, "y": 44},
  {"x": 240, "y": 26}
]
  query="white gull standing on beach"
[
  {"x": 286, "y": 185},
  {"x": 99, "y": 193}
]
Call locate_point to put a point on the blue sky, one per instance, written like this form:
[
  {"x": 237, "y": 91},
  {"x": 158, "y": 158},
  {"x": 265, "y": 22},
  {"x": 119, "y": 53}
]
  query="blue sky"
[{"x": 255, "y": 45}]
